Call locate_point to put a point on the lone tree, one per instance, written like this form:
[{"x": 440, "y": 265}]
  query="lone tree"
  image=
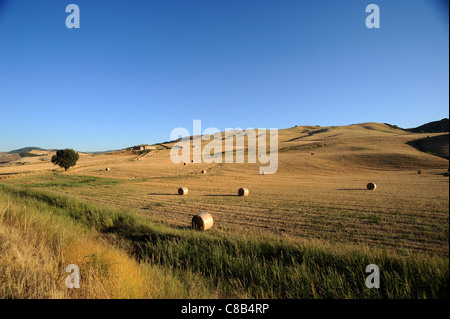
[{"x": 65, "y": 158}]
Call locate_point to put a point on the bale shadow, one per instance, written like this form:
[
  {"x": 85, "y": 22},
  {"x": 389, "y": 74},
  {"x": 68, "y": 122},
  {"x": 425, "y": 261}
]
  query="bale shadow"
[
  {"x": 221, "y": 195},
  {"x": 8, "y": 174},
  {"x": 138, "y": 233}
]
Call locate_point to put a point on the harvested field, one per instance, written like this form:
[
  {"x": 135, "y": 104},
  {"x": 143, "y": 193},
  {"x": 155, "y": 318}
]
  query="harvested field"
[{"x": 310, "y": 197}]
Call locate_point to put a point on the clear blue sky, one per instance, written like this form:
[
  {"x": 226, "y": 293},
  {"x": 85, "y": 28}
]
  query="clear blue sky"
[{"x": 135, "y": 70}]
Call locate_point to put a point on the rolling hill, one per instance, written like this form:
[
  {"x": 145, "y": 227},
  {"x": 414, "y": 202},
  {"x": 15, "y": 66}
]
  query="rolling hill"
[
  {"x": 432, "y": 127},
  {"x": 365, "y": 146},
  {"x": 25, "y": 149}
]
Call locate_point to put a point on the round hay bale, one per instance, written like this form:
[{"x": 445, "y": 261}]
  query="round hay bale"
[
  {"x": 138, "y": 159},
  {"x": 184, "y": 163},
  {"x": 107, "y": 169},
  {"x": 202, "y": 221},
  {"x": 243, "y": 192},
  {"x": 203, "y": 172},
  {"x": 312, "y": 153},
  {"x": 183, "y": 191},
  {"x": 192, "y": 161},
  {"x": 371, "y": 186},
  {"x": 419, "y": 172}
]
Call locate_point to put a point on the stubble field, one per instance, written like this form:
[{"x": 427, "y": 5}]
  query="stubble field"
[{"x": 317, "y": 197}]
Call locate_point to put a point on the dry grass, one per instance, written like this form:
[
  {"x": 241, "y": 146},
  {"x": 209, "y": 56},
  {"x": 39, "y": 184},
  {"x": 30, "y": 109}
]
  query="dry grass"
[
  {"x": 322, "y": 196},
  {"x": 319, "y": 198},
  {"x": 36, "y": 246},
  {"x": 411, "y": 210},
  {"x": 249, "y": 266},
  {"x": 35, "y": 252},
  {"x": 214, "y": 265}
]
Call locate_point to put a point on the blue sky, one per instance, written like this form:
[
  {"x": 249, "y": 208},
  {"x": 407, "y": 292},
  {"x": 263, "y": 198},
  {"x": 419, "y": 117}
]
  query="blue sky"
[{"x": 135, "y": 70}]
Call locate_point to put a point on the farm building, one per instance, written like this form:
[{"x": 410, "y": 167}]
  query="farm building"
[{"x": 143, "y": 148}]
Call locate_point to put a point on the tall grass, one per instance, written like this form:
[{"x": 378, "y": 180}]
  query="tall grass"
[
  {"x": 37, "y": 242},
  {"x": 247, "y": 267}
]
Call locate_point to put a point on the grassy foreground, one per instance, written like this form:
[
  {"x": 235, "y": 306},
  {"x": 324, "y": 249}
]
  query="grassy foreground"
[{"x": 123, "y": 255}]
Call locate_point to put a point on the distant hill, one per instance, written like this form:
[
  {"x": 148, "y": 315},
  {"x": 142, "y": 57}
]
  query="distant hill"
[
  {"x": 25, "y": 150},
  {"x": 432, "y": 127}
]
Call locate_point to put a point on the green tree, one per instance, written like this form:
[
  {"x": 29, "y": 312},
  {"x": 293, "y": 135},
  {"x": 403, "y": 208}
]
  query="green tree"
[{"x": 65, "y": 158}]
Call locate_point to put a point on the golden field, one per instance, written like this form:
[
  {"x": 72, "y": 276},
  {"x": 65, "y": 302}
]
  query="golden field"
[
  {"x": 318, "y": 193},
  {"x": 311, "y": 196}
]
